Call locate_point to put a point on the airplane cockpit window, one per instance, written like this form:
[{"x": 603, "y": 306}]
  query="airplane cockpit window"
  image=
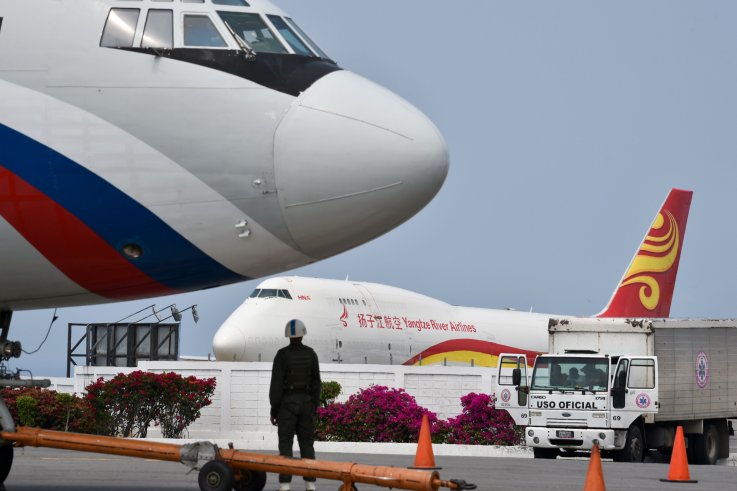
[
  {"x": 270, "y": 293},
  {"x": 307, "y": 39},
  {"x": 120, "y": 28},
  {"x": 234, "y": 3},
  {"x": 200, "y": 31},
  {"x": 159, "y": 32},
  {"x": 290, "y": 36},
  {"x": 254, "y": 31}
]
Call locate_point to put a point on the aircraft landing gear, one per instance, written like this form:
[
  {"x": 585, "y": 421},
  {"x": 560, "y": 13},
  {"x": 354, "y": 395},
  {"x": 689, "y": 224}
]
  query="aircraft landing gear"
[
  {"x": 8, "y": 350},
  {"x": 6, "y": 462},
  {"x": 6, "y": 448}
]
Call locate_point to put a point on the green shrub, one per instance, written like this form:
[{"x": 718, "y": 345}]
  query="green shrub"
[
  {"x": 48, "y": 409},
  {"x": 329, "y": 390},
  {"x": 28, "y": 413}
]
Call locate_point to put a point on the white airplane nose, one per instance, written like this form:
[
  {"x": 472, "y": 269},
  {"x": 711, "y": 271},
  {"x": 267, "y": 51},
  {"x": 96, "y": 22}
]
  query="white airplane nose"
[
  {"x": 229, "y": 344},
  {"x": 353, "y": 160}
]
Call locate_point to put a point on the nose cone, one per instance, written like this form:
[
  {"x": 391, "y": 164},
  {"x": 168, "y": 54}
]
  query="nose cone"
[
  {"x": 229, "y": 343},
  {"x": 352, "y": 161}
]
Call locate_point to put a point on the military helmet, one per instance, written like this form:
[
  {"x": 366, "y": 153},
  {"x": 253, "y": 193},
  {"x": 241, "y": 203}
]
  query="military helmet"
[{"x": 295, "y": 328}]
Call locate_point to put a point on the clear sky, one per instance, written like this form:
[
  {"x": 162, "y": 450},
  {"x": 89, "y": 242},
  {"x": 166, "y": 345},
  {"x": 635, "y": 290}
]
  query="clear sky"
[{"x": 567, "y": 123}]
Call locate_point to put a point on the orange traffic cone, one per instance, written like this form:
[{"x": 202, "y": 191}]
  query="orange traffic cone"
[
  {"x": 595, "y": 476},
  {"x": 678, "y": 461},
  {"x": 424, "y": 459}
]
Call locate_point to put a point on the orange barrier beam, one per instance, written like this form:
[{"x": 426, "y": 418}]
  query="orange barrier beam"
[
  {"x": 35, "y": 437},
  {"x": 388, "y": 477},
  {"x": 346, "y": 472}
]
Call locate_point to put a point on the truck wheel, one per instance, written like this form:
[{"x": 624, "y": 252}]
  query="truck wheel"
[
  {"x": 6, "y": 461},
  {"x": 250, "y": 481},
  {"x": 215, "y": 476},
  {"x": 545, "y": 453},
  {"x": 706, "y": 446},
  {"x": 634, "y": 447}
]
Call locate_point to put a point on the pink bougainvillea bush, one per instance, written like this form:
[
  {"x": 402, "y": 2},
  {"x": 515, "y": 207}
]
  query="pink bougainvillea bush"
[
  {"x": 375, "y": 414},
  {"x": 129, "y": 403},
  {"x": 48, "y": 409},
  {"x": 381, "y": 414},
  {"x": 481, "y": 424}
]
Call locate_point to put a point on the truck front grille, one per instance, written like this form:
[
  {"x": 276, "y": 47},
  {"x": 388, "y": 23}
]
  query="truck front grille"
[{"x": 566, "y": 423}]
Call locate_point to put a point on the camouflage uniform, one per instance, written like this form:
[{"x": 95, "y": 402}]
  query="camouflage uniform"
[{"x": 295, "y": 395}]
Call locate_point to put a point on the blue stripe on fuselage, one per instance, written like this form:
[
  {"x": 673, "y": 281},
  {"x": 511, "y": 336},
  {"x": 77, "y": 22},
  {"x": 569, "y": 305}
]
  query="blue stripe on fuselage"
[{"x": 116, "y": 217}]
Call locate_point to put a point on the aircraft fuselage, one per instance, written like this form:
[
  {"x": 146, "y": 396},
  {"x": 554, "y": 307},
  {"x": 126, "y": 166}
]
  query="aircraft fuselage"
[{"x": 150, "y": 148}]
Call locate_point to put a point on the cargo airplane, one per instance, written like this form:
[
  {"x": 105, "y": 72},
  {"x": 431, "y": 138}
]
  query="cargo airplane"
[
  {"x": 356, "y": 322},
  {"x": 152, "y": 147}
]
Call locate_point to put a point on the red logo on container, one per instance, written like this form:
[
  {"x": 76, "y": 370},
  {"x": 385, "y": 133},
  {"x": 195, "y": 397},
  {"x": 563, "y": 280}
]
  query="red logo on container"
[{"x": 702, "y": 369}]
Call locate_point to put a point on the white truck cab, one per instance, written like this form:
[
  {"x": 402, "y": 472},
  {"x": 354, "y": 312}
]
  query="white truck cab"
[
  {"x": 600, "y": 384},
  {"x": 575, "y": 400}
]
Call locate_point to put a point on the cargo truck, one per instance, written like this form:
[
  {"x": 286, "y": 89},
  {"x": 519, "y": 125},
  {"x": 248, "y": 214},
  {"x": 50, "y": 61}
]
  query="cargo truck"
[{"x": 625, "y": 384}]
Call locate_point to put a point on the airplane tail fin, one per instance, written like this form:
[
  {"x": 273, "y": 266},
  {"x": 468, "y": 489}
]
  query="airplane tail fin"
[{"x": 646, "y": 289}]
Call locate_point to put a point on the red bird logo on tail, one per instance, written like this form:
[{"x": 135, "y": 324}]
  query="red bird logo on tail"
[{"x": 646, "y": 289}]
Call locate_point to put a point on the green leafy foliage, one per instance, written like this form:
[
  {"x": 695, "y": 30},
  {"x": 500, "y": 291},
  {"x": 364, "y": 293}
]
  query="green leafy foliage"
[
  {"x": 28, "y": 413},
  {"x": 123, "y": 406},
  {"x": 49, "y": 409},
  {"x": 329, "y": 390}
]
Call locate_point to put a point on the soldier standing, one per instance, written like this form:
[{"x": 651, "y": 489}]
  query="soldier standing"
[{"x": 295, "y": 395}]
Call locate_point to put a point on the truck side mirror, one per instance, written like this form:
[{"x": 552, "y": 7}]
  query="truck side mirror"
[
  {"x": 618, "y": 399},
  {"x": 516, "y": 376}
]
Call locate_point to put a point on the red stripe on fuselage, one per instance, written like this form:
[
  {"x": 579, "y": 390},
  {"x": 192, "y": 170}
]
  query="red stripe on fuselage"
[
  {"x": 70, "y": 245},
  {"x": 486, "y": 347}
]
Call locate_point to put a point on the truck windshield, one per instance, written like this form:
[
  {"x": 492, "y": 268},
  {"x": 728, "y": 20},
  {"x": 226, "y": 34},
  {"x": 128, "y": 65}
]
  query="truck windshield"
[{"x": 570, "y": 373}]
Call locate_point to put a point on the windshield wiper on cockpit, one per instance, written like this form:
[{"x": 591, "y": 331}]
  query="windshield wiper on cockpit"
[{"x": 242, "y": 44}]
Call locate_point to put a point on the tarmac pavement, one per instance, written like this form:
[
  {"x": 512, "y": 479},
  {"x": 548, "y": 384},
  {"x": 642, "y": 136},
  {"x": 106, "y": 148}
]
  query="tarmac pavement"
[{"x": 47, "y": 469}]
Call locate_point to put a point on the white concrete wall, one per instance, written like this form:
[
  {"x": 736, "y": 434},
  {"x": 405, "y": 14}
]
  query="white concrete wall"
[{"x": 240, "y": 406}]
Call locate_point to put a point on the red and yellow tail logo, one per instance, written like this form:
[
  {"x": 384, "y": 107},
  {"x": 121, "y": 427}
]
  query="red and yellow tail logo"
[{"x": 646, "y": 290}]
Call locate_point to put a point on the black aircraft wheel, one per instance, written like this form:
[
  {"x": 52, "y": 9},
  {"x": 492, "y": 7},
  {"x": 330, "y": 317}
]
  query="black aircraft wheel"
[
  {"x": 250, "y": 481},
  {"x": 6, "y": 461},
  {"x": 216, "y": 476}
]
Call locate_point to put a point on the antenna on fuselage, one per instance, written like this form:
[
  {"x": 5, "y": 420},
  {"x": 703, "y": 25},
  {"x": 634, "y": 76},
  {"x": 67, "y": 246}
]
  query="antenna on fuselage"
[
  {"x": 242, "y": 44},
  {"x": 346, "y": 277}
]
